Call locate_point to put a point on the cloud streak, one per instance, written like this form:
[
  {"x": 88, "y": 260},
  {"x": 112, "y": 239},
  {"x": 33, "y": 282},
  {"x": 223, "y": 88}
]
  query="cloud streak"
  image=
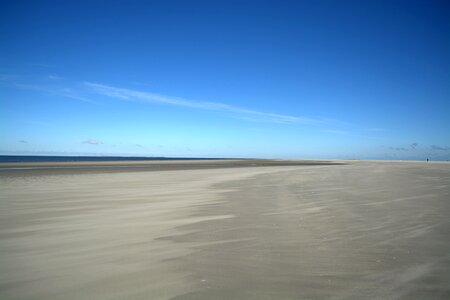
[
  {"x": 439, "y": 148},
  {"x": 146, "y": 97},
  {"x": 61, "y": 92},
  {"x": 92, "y": 142},
  {"x": 399, "y": 148}
]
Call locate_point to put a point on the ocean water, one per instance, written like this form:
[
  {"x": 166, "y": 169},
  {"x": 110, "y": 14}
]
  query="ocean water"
[{"x": 39, "y": 158}]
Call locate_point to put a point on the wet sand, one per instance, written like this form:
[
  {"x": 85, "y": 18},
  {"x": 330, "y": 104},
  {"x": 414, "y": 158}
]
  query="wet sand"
[
  {"x": 363, "y": 230},
  {"x": 83, "y": 167}
]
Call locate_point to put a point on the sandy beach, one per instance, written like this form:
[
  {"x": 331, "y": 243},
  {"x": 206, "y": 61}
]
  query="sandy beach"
[{"x": 226, "y": 230}]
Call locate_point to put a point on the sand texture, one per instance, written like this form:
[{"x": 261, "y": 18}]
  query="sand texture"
[{"x": 362, "y": 230}]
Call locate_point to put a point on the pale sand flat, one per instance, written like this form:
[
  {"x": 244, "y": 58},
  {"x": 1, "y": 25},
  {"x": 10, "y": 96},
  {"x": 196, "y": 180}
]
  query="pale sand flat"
[{"x": 365, "y": 230}]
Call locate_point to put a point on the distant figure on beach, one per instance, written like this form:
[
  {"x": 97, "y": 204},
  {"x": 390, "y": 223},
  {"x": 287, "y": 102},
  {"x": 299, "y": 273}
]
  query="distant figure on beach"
[{"x": 427, "y": 159}]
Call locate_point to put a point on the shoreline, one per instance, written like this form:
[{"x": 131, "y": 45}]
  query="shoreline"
[{"x": 59, "y": 168}]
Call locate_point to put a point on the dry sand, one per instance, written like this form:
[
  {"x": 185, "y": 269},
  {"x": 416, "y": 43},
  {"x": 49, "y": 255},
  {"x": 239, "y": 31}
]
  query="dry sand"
[{"x": 365, "y": 230}]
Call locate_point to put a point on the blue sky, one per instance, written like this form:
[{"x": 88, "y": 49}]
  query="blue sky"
[{"x": 275, "y": 79}]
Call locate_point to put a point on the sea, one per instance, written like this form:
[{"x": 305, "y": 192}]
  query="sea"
[{"x": 42, "y": 158}]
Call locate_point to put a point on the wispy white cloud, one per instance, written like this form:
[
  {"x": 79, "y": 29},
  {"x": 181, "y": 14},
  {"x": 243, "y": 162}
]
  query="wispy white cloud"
[
  {"x": 92, "y": 142},
  {"x": 62, "y": 92},
  {"x": 147, "y": 97},
  {"x": 69, "y": 93}
]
